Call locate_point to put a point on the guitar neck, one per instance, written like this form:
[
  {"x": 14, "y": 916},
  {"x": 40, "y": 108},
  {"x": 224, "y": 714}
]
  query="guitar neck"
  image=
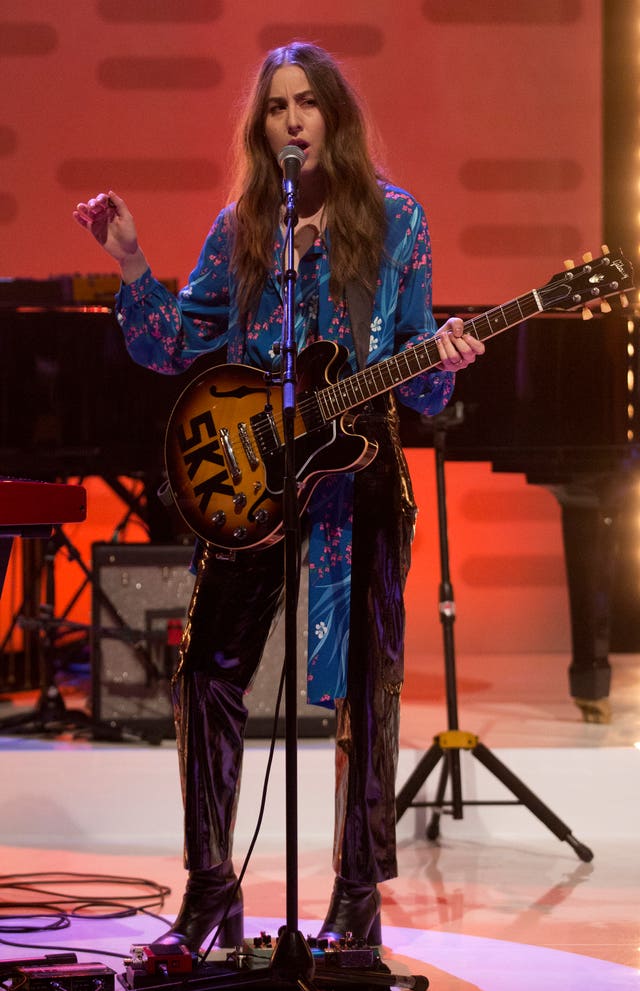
[{"x": 387, "y": 374}]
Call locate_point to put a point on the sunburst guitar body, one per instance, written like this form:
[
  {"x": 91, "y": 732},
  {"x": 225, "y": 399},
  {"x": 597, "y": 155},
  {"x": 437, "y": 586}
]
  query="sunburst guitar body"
[{"x": 224, "y": 447}]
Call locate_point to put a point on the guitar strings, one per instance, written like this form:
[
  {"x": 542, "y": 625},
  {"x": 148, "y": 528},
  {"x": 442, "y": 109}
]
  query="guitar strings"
[{"x": 337, "y": 392}]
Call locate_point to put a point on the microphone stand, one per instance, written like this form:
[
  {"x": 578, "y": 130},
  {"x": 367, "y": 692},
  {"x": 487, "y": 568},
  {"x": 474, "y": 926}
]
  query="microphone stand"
[{"x": 292, "y": 957}]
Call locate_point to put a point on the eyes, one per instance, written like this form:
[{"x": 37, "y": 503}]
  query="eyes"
[{"x": 276, "y": 107}]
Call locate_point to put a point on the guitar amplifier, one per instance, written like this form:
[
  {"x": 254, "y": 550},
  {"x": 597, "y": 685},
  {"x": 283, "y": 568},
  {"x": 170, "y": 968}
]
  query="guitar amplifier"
[{"x": 141, "y": 594}]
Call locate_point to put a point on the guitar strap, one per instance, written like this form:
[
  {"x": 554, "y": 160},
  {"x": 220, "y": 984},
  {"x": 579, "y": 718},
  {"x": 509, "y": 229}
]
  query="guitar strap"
[{"x": 360, "y": 308}]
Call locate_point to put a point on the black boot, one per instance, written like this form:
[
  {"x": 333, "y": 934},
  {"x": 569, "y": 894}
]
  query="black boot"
[
  {"x": 208, "y": 899},
  {"x": 355, "y": 909}
]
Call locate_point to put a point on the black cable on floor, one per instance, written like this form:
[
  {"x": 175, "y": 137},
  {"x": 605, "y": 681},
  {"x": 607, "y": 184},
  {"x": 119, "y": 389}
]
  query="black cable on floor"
[
  {"x": 64, "y": 906},
  {"x": 65, "y": 902}
]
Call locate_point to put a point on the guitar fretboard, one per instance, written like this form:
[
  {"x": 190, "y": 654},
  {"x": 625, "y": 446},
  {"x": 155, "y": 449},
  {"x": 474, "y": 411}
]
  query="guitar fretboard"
[{"x": 402, "y": 367}]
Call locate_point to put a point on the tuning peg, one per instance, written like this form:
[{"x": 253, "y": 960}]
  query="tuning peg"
[
  {"x": 605, "y": 306},
  {"x": 587, "y": 313},
  {"x": 605, "y": 249},
  {"x": 587, "y": 257},
  {"x": 569, "y": 263}
]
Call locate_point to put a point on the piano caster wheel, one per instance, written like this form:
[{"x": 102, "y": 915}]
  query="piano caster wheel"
[{"x": 595, "y": 710}]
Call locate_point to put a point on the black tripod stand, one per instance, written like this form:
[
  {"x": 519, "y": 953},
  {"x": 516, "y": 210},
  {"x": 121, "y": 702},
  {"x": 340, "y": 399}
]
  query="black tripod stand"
[
  {"x": 44, "y": 625},
  {"x": 50, "y": 713},
  {"x": 447, "y": 745}
]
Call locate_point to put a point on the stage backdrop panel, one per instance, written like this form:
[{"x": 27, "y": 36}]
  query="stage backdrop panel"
[{"x": 487, "y": 110}]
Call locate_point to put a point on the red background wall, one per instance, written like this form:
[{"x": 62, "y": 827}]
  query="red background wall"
[{"x": 488, "y": 111}]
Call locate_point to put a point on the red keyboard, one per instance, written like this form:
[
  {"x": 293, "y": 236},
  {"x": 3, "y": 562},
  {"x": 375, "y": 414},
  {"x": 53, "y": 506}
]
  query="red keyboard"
[
  {"x": 39, "y": 504},
  {"x": 32, "y": 509}
]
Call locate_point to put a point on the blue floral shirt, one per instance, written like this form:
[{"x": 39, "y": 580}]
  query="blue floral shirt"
[{"x": 166, "y": 334}]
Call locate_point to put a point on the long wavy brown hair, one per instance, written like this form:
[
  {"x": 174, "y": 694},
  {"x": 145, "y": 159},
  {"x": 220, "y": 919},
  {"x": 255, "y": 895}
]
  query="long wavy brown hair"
[{"x": 355, "y": 212}]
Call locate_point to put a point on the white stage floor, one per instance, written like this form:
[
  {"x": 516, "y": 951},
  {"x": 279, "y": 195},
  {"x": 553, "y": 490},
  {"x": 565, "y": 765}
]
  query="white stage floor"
[{"x": 498, "y": 903}]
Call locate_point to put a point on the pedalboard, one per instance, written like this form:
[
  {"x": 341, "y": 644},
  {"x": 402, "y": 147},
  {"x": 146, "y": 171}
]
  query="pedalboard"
[{"x": 337, "y": 966}]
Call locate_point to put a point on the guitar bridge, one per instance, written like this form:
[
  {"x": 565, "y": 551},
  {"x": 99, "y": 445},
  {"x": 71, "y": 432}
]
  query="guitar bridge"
[
  {"x": 229, "y": 456},
  {"x": 245, "y": 440}
]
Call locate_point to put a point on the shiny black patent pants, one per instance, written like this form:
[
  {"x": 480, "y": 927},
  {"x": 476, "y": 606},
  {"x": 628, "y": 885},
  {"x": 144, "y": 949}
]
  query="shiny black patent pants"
[{"x": 229, "y": 619}]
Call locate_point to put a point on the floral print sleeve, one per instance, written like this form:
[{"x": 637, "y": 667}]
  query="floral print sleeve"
[
  {"x": 166, "y": 334},
  {"x": 414, "y": 320}
]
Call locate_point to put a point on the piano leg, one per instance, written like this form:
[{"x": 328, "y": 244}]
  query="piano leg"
[
  {"x": 588, "y": 536},
  {"x": 5, "y": 554}
]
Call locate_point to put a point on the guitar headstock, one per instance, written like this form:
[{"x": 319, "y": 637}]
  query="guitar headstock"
[{"x": 589, "y": 283}]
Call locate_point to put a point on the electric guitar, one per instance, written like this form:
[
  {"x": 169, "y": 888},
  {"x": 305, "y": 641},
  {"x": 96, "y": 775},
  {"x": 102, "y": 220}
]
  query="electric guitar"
[{"x": 224, "y": 445}]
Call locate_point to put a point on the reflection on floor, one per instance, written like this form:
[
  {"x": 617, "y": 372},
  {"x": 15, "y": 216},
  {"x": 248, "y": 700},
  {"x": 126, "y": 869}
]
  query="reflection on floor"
[{"x": 497, "y": 902}]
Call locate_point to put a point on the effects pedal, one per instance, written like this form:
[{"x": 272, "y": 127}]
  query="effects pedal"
[
  {"x": 342, "y": 953},
  {"x": 173, "y": 968},
  {"x": 65, "y": 977},
  {"x": 153, "y": 964}
]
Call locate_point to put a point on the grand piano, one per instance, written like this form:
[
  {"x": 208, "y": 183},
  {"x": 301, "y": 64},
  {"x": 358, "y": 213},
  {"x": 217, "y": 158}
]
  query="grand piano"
[
  {"x": 556, "y": 401},
  {"x": 72, "y": 403}
]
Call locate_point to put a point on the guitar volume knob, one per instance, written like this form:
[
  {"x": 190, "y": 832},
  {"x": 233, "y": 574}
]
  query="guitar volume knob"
[
  {"x": 262, "y": 516},
  {"x": 219, "y": 518},
  {"x": 240, "y": 533}
]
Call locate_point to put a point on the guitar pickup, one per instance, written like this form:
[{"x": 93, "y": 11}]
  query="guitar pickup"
[{"x": 265, "y": 432}]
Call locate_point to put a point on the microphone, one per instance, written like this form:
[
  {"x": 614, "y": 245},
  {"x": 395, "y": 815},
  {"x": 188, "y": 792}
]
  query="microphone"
[{"x": 290, "y": 159}]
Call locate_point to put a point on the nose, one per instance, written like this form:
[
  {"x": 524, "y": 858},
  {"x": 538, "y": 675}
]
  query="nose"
[{"x": 293, "y": 118}]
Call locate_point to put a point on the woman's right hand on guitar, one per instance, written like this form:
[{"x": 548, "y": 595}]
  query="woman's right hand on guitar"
[{"x": 109, "y": 219}]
